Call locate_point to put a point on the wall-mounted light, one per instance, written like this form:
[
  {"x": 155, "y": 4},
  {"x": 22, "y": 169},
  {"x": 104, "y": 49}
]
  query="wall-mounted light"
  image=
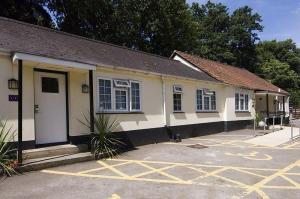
[
  {"x": 13, "y": 84},
  {"x": 85, "y": 88}
]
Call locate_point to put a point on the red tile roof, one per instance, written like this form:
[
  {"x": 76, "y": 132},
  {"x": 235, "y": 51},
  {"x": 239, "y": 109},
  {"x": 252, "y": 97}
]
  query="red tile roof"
[{"x": 229, "y": 74}]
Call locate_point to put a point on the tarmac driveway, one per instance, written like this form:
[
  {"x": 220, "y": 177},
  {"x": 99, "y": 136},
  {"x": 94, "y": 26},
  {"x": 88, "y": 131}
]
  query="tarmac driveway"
[{"x": 214, "y": 166}]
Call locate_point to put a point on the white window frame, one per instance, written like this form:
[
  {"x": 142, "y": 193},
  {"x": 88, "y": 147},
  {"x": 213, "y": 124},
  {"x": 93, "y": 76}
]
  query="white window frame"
[
  {"x": 111, "y": 94},
  {"x": 130, "y": 102},
  {"x": 241, "y": 95},
  {"x": 203, "y": 103},
  {"x": 178, "y": 92},
  {"x": 115, "y": 104},
  {"x": 121, "y": 85},
  {"x": 113, "y": 100}
]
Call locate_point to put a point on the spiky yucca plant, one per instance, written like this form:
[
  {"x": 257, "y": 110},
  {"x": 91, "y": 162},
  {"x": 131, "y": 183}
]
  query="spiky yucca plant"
[
  {"x": 104, "y": 142},
  {"x": 7, "y": 162}
]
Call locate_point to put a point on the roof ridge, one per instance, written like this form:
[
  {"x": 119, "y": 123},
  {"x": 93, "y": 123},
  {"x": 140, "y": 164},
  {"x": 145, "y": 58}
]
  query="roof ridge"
[
  {"x": 82, "y": 37},
  {"x": 218, "y": 62}
]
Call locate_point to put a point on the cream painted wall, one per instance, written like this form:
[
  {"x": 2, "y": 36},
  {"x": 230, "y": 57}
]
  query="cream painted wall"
[
  {"x": 78, "y": 103},
  {"x": 9, "y": 110},
  {"x": 151, "y": 100},
  {"x": 230, "y": 113},
  {"x": 189, "y": 115}
]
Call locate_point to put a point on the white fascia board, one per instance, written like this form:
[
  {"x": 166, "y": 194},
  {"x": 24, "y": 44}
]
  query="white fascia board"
[
  {"x": 178, "y": 58},
  {"x": 47, "y": 60}
]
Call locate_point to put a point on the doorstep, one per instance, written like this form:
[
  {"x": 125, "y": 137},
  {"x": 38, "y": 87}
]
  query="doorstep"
[
  {"x": 43, "y": 152},
  {"x": 54, "y": 161}
]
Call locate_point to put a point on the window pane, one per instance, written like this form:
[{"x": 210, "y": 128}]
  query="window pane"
[
  {"x": 135, "y": 96},
  {"x": 213, "y": 101},
  {"x": 242, "y": 102},
  {"x": 50, "y": 85},
  {"x": 237, "y": 101},
  {"x": 246, "y": 102},
  {"x": 199, "y": 99},
  {"x": 206, "y": 102},
  {"x": 105, "y": 94},
  {"x": 121, "y": 99},
  {"x": 177, "y": 101}
]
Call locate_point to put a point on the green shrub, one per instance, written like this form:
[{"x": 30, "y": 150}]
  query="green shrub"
[
  {"x": 104, "y": 141},
  {"x": 258, "y": 118},
  {"x": 8, "y": 162}
]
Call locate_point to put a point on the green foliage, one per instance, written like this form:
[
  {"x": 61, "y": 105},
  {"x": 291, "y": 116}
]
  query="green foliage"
[
  {"x": 279, "y": 62},
  {"x": 104, "y": 141},
  {"x": 7, "y": 163},
  {"x": 225, "y": 37},
  {"x": 156, "y": 26},
  {"x": 258, "y": 118},
  {"x": 30, "y": 11}
]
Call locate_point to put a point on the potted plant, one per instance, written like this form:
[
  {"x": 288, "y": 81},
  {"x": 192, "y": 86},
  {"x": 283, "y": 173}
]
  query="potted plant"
[
  {"x": 259, "y": 120},
  {"x": 8, "y": 162},
  {"x": 105, "y": 143}
]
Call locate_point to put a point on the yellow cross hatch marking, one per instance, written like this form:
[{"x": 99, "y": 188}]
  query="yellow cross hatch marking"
[{"x": 199, "y": 169}]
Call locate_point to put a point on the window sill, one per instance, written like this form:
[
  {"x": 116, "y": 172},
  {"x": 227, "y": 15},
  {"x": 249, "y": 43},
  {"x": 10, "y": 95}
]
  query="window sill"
[
  {"x": 207, "y": 111},
  {"x": 178, "y": 112},
  {"x": 242, "y": 111},
  {"x": 122, "y": 112}
]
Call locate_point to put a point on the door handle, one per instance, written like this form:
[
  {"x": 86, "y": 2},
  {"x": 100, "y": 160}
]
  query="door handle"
[{"x": 36, "y": 108}]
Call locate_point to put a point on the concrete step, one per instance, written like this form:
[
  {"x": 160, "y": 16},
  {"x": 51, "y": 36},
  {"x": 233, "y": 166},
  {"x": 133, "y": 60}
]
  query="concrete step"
[
  {"x": 54, "y": 161},
  {"x": 58, "y": 150}
]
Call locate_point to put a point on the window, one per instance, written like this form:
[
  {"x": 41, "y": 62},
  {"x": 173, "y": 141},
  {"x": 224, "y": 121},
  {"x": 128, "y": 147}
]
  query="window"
[
  {"x": 105, "y": 94},
  {"x": 199, "y": 99},
  {"x": 213, "y": 101},
  {"x": 241, "y": 102},
  {"x": 121, "y": 83},
  {"x": 237, "y": 101},
  {"x": 177, "y": 101},
  {"x": 121, "y": 99},
  {"x": 50, "y": 85},
  {"x": 246, "y": 102},
  {"x": 119, "y": 95},
  {"x": 206, "y": 100},
  {"x": 135, "y": 96},
  {"x": 177, "y": 93}
]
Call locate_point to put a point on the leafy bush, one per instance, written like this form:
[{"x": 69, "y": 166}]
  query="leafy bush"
[
  {"x": 7, "y": 161},
  {"x": 104, "y": 141},
  {"x": 258, "y": 118}
]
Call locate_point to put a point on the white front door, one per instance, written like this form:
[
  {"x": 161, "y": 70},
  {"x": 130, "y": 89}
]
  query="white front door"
[{"x": 50, "y": 107}]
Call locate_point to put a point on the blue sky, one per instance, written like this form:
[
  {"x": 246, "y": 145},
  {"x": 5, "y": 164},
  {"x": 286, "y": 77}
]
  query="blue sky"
[{"x": 281, "y": 18}]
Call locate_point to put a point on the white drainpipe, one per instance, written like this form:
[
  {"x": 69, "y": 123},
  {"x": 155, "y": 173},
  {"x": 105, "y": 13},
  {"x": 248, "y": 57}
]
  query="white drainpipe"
[{"x": 164, "y": 100}]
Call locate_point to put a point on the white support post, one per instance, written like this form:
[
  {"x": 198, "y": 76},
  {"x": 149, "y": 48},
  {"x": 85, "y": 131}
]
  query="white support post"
[{"x": 273, "y": 123}]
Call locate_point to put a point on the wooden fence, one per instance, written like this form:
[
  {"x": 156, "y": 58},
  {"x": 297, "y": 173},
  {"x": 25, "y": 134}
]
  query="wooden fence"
[{"x": 295, "y": 112}]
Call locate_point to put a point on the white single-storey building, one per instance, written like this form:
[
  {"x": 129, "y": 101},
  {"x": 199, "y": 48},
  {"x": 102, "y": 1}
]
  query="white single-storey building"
[{"x": 50, "y": 79}]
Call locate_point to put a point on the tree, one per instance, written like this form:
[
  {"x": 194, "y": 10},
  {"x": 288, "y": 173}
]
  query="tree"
[
  {"x": 280, "y": 74},
  {"x": 31, "y": 11},
  {"x": 244, "y": 25},
  {"x": 156, "y": 26},
  {"x": 213, "y": 36},
  {"x": 284, "y": 51}
]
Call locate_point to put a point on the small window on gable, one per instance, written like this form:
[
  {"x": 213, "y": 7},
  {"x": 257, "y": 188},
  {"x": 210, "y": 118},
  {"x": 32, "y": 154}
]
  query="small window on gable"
[
  {"x": 121, "y": 83},
  {"x": 177, "y": 89},
  {"x": 50, "y": 85}
]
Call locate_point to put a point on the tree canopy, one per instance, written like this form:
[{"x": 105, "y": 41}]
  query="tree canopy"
[{"x": 209, "y": 30}]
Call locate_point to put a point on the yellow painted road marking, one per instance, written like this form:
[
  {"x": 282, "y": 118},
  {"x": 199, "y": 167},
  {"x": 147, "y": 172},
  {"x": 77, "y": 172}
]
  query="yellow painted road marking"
[
  {"x": 102, "y": 168},
  {"x": 113, "y": 169},
  {"x": 173, "y": 179},
  {"x": 260, "y": 184},
  {"x": 250, "y": 156},
  {"x": 114, "y": 196}
]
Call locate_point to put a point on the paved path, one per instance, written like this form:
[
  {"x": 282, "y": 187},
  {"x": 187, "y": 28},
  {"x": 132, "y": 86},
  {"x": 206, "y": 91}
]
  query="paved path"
[
  {"x": 224, "y": 167},
  {"x": 275, "y": 138}
]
